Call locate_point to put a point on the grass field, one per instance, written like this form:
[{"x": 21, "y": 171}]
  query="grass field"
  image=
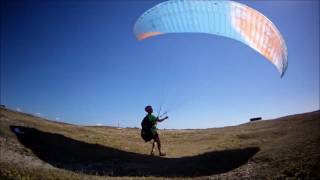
[{"x": 287, "y": 147}]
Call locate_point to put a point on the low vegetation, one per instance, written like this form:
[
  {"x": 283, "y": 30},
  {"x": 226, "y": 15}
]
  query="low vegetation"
[{"x": 36, "y": 148}]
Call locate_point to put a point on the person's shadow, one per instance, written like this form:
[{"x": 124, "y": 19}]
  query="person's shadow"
[{"x": 66, "y": 153}]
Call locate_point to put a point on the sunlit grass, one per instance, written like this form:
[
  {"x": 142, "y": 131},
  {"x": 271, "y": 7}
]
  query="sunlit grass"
[{"x": 288, "y": 147}]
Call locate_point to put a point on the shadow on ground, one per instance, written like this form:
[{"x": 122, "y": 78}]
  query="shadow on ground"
[{"x": 66, "y": 153}]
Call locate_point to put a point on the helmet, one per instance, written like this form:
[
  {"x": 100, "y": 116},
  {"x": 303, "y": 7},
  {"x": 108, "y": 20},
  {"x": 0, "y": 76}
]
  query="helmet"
[{"x": 148, "y": 108}]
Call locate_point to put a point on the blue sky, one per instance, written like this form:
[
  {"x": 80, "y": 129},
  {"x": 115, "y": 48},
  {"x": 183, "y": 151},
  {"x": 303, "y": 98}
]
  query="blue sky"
[{"x": 79, "y": 62}]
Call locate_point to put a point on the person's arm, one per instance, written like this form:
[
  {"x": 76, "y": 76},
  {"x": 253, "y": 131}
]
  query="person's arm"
[{"x": 162, "y": 119}]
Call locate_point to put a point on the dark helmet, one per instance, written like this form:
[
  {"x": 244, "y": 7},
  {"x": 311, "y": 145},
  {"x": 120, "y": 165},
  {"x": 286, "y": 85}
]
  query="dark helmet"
[{"x": 148, "y": 108}]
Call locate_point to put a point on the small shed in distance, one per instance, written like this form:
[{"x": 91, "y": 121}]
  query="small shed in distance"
[{"x": 256, "y": 119}]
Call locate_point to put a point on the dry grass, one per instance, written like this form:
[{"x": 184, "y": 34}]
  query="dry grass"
[{"x": 273, "y": 149}]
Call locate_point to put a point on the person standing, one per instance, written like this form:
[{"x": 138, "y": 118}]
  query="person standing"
[{"x": 149, "y": 129}]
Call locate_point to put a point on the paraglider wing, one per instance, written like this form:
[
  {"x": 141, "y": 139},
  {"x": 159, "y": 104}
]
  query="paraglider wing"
[{"x": 224, "y": 18}]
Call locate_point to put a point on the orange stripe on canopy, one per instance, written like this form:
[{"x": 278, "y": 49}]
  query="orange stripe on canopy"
[{"x": 148, "y": 34}]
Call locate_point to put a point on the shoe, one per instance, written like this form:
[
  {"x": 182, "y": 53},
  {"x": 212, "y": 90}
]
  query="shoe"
[
  {"x": 152, "y": 153},
  {"x": 162, "y": 154}
]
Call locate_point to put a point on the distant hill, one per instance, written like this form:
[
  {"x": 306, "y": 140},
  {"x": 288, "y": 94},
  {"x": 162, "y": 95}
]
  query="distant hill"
[{"x": 35, "y": 148}]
